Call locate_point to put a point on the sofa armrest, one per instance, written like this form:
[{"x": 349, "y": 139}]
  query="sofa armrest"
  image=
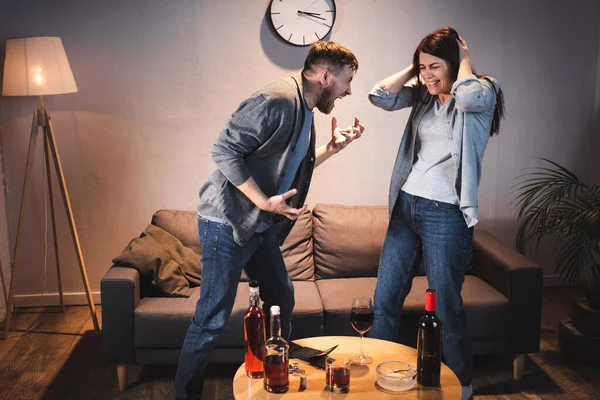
[
  {"x": 120, "y": 293},
  {"x": 520, "y": 280}
]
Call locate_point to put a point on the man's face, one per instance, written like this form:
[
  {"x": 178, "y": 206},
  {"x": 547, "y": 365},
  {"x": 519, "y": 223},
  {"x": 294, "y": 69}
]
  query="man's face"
[{"x": 338, "y": 86}]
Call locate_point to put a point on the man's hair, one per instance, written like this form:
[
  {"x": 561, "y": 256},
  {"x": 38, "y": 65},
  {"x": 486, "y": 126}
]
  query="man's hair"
[{"x": 329, "y": 55}]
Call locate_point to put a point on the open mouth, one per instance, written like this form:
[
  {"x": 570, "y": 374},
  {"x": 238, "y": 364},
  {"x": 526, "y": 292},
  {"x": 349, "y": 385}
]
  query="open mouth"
[{"x": 432, "y": 84}]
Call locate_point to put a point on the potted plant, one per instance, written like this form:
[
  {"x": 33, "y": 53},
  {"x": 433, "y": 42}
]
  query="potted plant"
[{"x": 552, "y": 202}]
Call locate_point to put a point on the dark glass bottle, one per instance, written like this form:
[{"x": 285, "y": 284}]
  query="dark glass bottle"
[
  {"x": 429, "y": 344},
  {"x": 276, "y": 359},
  {"x": 254, "y": 335}
]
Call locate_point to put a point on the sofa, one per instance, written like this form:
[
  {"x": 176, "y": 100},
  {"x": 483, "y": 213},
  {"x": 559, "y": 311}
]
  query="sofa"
[{"x": 332, "y": 255}]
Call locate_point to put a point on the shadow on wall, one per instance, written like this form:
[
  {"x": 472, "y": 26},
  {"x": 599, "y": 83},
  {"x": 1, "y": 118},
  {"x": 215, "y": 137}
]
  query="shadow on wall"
[
  {"x": 505, "y": 230},
  {"x": 277, "y": 50}
]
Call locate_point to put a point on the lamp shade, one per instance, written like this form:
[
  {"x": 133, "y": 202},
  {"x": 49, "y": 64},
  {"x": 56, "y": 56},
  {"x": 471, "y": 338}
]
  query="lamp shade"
[{"x": 36, "y": 67}]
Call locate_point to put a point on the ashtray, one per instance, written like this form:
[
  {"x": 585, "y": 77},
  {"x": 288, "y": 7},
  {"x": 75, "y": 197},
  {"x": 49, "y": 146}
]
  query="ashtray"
[{"x": 395, "y": 376}]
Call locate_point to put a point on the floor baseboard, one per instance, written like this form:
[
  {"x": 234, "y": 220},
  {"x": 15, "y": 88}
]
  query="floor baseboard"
[{"x": 53, "y": 299}]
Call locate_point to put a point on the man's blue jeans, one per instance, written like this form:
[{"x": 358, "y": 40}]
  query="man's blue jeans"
[
  {"x": 222, "y": 264},
  {"x": 439, "y": 229}
]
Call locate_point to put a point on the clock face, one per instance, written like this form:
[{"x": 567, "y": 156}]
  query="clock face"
[{"x": 302, "y": 22}]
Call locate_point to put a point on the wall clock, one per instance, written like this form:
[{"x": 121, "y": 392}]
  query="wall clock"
[{"x": 302, "y": 22}]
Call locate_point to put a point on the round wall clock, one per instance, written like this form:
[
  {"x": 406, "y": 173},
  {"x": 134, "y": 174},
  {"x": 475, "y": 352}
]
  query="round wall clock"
[{"x": 302, "y": 22}]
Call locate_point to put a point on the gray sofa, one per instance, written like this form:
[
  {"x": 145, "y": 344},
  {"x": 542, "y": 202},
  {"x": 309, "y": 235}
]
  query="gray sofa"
[{"x": 332, "y": 255}]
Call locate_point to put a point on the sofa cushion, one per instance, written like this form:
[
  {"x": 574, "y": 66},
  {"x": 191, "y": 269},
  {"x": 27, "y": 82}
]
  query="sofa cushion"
[
  {"x": 163, "y": 322},
  {"x": 181, "y": 224},
  {"x": 348, "y": 240},
  {"x": 337, "y": 297},
  {"x": 307, "y": 317},
  {"x": 297, "y": 249},
  {"x": 486, "y": 308}
]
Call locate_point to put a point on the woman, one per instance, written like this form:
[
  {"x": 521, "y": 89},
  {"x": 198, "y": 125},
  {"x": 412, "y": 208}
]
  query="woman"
[{"x": 433, "y": 192}]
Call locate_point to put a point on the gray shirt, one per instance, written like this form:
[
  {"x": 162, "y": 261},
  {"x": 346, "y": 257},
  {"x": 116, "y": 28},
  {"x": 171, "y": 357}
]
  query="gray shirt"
[
  {"x": 475, "y": 100},
  {"x": 259, "y": 142},
  {"x": 432, "y": 175}
]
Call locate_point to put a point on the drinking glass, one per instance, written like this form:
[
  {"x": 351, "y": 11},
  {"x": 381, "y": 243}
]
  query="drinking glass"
[
  {"x": 337, "y": 374},
  {"x": 362, "y": 317}
]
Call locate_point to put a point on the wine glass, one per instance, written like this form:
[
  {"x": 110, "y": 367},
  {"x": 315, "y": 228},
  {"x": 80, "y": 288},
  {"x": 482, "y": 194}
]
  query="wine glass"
[{"x": 362, "y": 317}]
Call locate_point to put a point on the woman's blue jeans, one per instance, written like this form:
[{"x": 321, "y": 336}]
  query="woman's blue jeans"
[
  {"x": 222, "y": 264},
  {"x": 438, "y": 230}
]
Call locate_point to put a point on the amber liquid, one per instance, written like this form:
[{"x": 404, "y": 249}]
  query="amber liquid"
[
  {"x": 276, "y": 374},
  {"x": 254, "y": 335},
  {"x": 338, "y": 379}
]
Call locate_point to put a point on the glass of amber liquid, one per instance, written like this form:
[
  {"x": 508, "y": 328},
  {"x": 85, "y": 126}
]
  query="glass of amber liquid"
[{"x": 337, "y": 374}]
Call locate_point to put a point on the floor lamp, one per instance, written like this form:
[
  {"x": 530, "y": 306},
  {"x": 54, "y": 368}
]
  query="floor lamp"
[{"x": 38, "y": 67}]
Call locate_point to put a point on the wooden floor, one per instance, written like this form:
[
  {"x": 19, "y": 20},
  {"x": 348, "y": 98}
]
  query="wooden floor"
[{"x": 50, "y": 355}]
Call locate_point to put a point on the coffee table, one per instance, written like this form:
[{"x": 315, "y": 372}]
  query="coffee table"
[{"x": 362, "y": 377}]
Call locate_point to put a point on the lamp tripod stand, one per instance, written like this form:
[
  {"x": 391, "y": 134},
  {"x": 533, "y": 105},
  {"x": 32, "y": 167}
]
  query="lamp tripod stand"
[{"x": 41, "y": 119}]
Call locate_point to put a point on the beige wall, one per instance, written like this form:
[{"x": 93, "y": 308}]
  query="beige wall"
[
  {"x": 158, "y": 80},
  {"x": 4, "y": 249}
]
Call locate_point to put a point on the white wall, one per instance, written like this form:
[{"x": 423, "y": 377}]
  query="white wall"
[{"x": 158, "y": 80}]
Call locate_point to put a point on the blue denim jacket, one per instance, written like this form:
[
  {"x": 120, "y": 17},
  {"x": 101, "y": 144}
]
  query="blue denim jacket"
[{"x": 468, "y": 133}]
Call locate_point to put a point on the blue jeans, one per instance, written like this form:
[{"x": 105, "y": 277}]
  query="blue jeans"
[
  {"x": 222, "y": 263},
  {"x": 440, "y": 231}
]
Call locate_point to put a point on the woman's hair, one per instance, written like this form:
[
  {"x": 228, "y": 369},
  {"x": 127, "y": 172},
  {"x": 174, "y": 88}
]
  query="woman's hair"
[{"x": 443, "y": 44}]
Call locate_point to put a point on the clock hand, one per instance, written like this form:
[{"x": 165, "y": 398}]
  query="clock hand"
[
  {"x": 312, "y": 4},
  {"x": 313, "y": 15},
  {"x": 314, "y": 20}
]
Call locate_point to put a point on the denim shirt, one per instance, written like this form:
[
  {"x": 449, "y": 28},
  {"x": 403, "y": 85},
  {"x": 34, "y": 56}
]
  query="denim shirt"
[{"x": 468, "y": 134}]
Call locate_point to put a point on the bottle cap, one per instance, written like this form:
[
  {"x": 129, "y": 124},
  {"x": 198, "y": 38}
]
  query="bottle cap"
[
  {"x": 430, "y": 300},
  {"x": 275, "y": 310},
  {"x": 253, "y": 283}
]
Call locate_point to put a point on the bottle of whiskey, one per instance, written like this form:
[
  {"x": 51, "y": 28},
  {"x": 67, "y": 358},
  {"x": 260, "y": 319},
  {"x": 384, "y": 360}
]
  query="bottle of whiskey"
[
  {"x": 429, "y": 344},
  {"x": 254, "y": 335},
  {"x": 276, "y": 359}
]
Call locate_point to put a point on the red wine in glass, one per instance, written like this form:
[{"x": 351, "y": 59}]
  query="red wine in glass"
[
  {"x": 362, "y": 319},
  {"x": 361, "y": 316}
]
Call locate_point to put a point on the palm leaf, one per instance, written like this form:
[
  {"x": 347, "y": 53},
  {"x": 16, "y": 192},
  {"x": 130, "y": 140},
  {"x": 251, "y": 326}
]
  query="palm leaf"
[{"x": 552, "y": 202}]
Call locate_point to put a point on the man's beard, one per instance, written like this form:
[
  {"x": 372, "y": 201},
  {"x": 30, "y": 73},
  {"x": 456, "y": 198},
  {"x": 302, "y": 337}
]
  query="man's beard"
[{"x": 326, "y": 101}]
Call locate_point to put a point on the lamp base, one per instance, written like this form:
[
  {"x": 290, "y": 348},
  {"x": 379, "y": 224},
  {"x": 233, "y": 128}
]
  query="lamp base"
[{"x": 41, "y": 119}]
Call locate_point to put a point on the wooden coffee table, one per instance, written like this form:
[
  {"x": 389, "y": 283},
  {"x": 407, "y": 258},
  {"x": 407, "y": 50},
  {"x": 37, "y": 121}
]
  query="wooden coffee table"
[{"x": 362, "y": 377}]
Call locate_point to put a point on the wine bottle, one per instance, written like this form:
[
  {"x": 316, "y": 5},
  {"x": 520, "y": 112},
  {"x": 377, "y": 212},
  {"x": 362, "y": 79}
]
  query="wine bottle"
[
  {"x": 276, "y": 361},
  {"x": 429, "y": 344},
  {"x": 254, "y": 335}
]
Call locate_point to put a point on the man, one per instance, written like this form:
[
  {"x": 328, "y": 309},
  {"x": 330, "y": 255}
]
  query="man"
[{"x": 265, "y": 158}]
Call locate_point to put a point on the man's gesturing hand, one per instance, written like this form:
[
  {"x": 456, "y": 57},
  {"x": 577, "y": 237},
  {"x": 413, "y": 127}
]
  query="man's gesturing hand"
[
  {"x": 278, "y": 205},
  {"x": 340, "y": 138}
]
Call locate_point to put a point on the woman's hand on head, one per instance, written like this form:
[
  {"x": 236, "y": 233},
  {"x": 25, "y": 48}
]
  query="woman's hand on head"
[{"x": 464, "y": 52}]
